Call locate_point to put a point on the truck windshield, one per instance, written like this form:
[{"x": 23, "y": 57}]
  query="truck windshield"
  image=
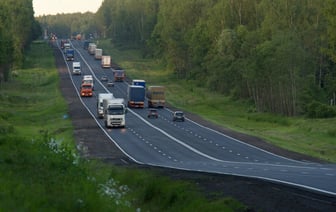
[{"x": 115, "y": 110}]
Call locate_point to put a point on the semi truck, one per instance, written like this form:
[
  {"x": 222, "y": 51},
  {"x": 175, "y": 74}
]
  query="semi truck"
[
  {"x": 136, "y": 96},
  {"x": 106, "y": 61},
  {"x": 88, "y": 79},
  {"x": 100, "y": 99},
  {"x": 86, "y": 90},
  {"x": 139, "y": 82},
  {"x": 114, "y": 112},
  {"x": 119, "y": 75},
  {"x": 92, "y": 48},
  {"x": 98, "y": 54},
  {"x": 70, "y": 54},
  {"x": 156, "y": 96},
  {"x": 76, "y": 68}
]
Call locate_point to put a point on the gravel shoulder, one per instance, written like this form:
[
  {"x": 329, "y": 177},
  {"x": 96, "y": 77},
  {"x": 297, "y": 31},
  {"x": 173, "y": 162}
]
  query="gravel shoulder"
[{"x": 258, "y": 195}]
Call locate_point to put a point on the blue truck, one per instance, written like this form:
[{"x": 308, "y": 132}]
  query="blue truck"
[
  {"x": 136, "y": 96},
  {"x": 70, "y": 54}
]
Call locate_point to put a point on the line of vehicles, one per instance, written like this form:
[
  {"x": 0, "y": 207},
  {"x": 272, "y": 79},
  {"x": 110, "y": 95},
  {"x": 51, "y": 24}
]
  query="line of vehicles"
[{"x": 109, "y": 108}]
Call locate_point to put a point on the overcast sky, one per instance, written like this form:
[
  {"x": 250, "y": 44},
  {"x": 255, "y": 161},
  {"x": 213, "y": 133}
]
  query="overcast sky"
[{"x": 52, "y": 7}]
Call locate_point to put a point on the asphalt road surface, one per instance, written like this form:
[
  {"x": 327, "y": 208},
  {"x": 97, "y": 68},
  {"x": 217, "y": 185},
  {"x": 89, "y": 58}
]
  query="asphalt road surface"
[{"x": 194, "y": 149}]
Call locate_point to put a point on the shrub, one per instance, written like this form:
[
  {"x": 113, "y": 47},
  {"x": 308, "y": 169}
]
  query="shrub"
[{"x": 320, "y": 110}]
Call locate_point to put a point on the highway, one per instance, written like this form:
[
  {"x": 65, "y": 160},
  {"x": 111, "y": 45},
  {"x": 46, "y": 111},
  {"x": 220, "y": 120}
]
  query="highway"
[{"x": 191, "y": 146}]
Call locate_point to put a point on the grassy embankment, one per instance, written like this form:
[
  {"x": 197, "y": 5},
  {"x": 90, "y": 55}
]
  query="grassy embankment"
[
  {"x": 41, "y": 171},
  {"x": 315, "y": 137}
]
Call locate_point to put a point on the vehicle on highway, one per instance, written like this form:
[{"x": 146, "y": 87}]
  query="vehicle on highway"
[
  {"x": 104, "y": 78},
  {"x": 100, "y": 106},
  {"x": 114, "y": 112},
  {"x": 76, "y": 68},
  {"x": 178, "y": 116},
  {"x": 106, "y": 61},
  {"x": 136, "y": 96},
  {"x": 88, "y": 79},
  {"x": 69, "y": 54},
  {"x": 153, "y": 113},
  {"x": 98, "y": 54},
  {"x": 119, "y": 75},
  {"x": 86, "y": 90},
  {"x": 92, "y": 48},
  {"x": 156, "y": 96},
  {"x": 139, "y": 82}
]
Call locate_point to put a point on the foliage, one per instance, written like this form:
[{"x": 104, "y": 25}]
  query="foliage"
[{"x": 17, "y": 29}]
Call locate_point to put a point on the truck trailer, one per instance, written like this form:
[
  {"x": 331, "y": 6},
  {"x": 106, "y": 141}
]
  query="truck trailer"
[
  {"x": 106, "y": 61},
  {"x": 100, "y": 106},
  {"x": 114, "y": 112},
  {"x": 139, "y": 82},
  {"x": 98, "y": 54},
  {"x": 136, "y": 96},
  {"x": 70, "y": 54},
  {"x": 156, "y": 96}
]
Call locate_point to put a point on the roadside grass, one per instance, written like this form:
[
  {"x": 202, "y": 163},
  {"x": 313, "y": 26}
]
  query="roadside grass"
[
  {"x": 315, "y": 137},
  {"x": 41, "y": 170}
]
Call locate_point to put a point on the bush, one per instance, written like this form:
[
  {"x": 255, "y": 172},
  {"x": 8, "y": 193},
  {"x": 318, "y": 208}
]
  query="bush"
[{"x": 319, "y": 110}]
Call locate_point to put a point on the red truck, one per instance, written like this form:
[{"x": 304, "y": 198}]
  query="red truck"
[{"x": 86, "y": 90}]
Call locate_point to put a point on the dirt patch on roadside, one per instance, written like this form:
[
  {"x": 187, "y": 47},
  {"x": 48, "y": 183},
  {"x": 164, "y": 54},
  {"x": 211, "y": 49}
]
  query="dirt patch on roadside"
[{"x": 258, "y": 195}]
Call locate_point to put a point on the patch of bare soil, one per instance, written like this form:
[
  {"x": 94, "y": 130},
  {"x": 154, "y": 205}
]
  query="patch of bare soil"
[{"x": 257, "y": 195}]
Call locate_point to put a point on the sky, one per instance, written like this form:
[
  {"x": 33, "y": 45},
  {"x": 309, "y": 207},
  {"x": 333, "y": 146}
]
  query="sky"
[{"x": 52, "y": 7}]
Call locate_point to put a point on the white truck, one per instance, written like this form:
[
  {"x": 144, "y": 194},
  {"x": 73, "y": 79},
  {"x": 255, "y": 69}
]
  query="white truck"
[
  {"x": 100, "y": 107},
  {"x": 92, "y": 48},
  {"x": 114, "y": 112},
  {"x": 88, "y": 79},
  {"x": 106, "y": 61},
  {"x": 98, "y": 54},
  {"x": 76, "y": 68}
]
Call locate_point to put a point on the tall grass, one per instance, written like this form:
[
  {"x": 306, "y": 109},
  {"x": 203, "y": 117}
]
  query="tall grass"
[
  {"x": 315, "y": 137},
  {"x": 40, "y": 168}
]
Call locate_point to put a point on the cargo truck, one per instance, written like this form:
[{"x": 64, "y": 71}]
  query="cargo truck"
[
  {"x": 86, "y": 44},
  {"x": 76, "y": 68},
  {"x": 100, "y": 99},
  {"x": 92, "y": 48},
  {"x": 70, "y": 54},
  {"x": 136, "y": 96},
  {"x": 98, "y": 54},
  {"x": 156, "y": 96},
  {"x": 119, "y": 75},
  {"x": 114, "y": 112},
  {"x": 139, "y": 82},
  {"x": 106, "y": 61},
  {"x": 88, "y": 79},
  {"x": 86, "y": 90}
]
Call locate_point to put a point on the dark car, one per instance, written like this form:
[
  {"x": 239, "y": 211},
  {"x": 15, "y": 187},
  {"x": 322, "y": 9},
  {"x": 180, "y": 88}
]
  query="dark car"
[
  {"x": 153, "y": 113},
  {"x": 178, "y": 116}
]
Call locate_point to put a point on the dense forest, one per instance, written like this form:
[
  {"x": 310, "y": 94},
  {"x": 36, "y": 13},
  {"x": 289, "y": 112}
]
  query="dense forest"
[
  {"x": 18, "y": 28},
  {"x": 277, "y": 54}
]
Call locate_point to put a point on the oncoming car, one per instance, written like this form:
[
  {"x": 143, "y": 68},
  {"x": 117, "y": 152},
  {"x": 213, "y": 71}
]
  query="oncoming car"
[{"x": 178, "y": 116}]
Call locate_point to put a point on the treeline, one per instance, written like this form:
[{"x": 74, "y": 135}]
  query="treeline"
[
  {"x": 280, "y": 54},
  {"x": 67, "y": 25},
  {"x": 17, "y": 29}
]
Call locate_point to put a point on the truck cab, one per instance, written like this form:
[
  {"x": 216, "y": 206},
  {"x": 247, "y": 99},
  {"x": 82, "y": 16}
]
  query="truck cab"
[
  {"x": 114, "y": 112},
  {"x": 76, "y": 68},
  {"x": 86, "y": 90}
]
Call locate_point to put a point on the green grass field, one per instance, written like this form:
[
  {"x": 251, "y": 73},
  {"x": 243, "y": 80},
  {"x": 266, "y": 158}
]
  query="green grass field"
[
  {"x": 40, "y": 169},
  {"x": 315, "y": 137}
]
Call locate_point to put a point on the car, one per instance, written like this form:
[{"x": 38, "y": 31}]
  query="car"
[
  {"x": 178, "y": 116},
  {"x": 153, "y": 113},
  {"x": 110, "y": 84},
  {"x": 104, "y": 79}
]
